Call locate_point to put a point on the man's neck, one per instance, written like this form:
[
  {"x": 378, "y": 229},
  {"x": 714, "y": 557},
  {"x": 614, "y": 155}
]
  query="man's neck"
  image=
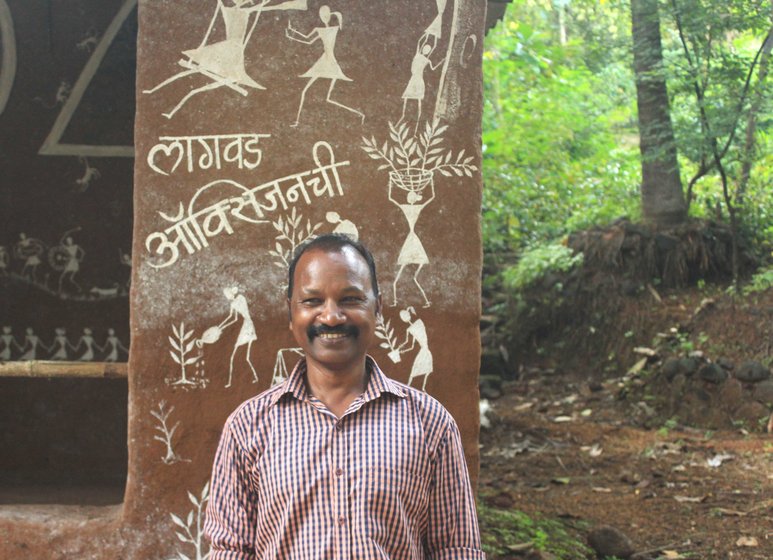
[{"x": 336, "y": 389}]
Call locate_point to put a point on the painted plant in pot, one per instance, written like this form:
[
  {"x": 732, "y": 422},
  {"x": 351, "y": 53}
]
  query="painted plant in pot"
[{"x": 412, "y": 164}]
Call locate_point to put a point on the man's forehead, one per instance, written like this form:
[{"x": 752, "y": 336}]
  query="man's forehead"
[{"x": 322, "y": 260}]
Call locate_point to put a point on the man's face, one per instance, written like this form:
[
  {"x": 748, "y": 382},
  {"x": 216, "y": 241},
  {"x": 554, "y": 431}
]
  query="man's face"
[{"x": 333, "y": 309}]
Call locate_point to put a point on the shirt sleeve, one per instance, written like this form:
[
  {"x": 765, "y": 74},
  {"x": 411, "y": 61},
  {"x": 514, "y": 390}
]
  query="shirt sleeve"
[
  {"x": 452, "y": 529},
  {"x": 231, "y": 515}
]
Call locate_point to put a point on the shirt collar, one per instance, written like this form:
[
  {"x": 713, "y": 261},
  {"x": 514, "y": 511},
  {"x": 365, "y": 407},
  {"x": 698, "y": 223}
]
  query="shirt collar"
[{"x": 378, "y": 383}]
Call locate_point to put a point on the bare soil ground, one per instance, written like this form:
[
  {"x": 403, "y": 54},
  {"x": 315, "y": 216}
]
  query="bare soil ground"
[{"x": 568, "y": 439}]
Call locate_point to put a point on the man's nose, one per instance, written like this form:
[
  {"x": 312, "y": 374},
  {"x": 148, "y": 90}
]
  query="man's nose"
[{"x": 332, "y": 314}]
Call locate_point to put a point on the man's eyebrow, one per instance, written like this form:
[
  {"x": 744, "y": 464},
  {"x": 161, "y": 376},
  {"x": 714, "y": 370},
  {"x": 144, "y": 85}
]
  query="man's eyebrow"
[{"x": 315, "y": 291}]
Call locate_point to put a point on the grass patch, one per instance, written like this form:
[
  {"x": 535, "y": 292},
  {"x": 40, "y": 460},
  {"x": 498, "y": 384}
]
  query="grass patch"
[{"x": 504, "y": 530}]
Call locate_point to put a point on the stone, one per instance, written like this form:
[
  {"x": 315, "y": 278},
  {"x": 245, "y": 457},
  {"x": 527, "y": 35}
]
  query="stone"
[
  {"x": 712, "y": 373},
  {"x": 726, "y": 363},
  {"x": 671, "y": 368},
  {"x": 752, "y": 371},
  {"x": 689, "y": 366},
  {"x": 751, "y": 413},
  {"x": 763, "y": 392},
  {"x": 608, "y": 541},
  {"x": 730, "y": 395}
]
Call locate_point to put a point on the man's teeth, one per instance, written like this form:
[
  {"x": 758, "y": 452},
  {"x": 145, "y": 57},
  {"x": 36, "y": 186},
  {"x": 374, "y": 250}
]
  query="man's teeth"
[{"x": 332, "y": 335}]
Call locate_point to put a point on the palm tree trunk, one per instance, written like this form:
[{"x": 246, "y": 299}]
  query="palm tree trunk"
[{"x": 662, "y": 199}]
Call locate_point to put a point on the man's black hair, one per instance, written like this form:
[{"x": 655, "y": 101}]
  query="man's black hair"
[{"x": 332, "y": 243}]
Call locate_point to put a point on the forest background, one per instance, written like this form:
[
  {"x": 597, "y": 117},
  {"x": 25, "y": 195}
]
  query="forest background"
[
  {"x": 627, "y": 228},
  {"x": 561, "y": 149}
]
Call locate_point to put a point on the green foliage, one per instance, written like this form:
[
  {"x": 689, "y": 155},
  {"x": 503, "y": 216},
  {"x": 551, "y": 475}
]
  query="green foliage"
[
  {"x": 560, "y": 135},
  {"x": 559, "y": 144},
  {"x": 761, "y": 281},
  {"x": 538, "y": 261},
  {"x": 713, "y": 45},
  {"x": 501, "y": 529}
]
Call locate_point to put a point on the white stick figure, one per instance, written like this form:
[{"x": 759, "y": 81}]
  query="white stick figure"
[
  {"x": 246, "y": 335},
  {"x": 60, "y": 345},
  {"x": 412, "y": 251},
  {"x": 89, "y": 174},
  {"x": 87, "y": 340},
  {"x": 326, "y": 67},
  {"x": 223, "y": 61},
  {"x": 112, "y": 345},
  {"x": 281, "y": 371},
  {"x": 88, "y": 43},
  {"x": 9, "y": 343},
  {"x": 416, "y": 333},
  {"x": 29, "y": 250},
  {"x": 126, "y": 260},
  {"x": 67, "y": 257},
  {"x": 31, "y": 343},
  {"x": 345, "y": 227},
  {"x": 416, "y": 88},
  {"x": 5, "y": 261},
  {"x": 60, "y": 97}
]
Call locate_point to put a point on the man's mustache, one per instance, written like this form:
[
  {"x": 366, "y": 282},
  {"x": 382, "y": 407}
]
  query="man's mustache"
[{"x": 314, "y": 331}]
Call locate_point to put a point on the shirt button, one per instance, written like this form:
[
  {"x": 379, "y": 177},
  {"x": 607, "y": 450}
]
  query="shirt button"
[
  {"x": 339, "y": 471},
  {"x": 339, "y": 426},
  {"x": 342, "y": 521}
]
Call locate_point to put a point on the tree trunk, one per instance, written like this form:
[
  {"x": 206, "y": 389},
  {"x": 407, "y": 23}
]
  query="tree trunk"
[{"x": 662, "y": 199}]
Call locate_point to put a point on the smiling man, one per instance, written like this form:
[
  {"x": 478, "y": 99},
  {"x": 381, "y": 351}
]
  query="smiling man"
[{"x": 339, "y": 461}]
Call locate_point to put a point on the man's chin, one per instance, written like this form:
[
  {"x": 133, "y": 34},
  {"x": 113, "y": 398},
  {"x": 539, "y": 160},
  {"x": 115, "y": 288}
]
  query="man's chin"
[{"x": 333, "y": 358}]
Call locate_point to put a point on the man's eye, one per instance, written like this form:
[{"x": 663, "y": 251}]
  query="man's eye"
[
  {"x": 311, "y": 301},
  {"x": 353, "y": 299}
]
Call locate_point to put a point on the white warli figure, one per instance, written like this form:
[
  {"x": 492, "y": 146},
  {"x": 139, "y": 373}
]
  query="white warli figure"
[
  {"x": 238, "y": 309},
  {"x": 60, "y": 345},
  {"x": 112, "y": 346},
  {"x": 5, "y": 261},
  {"x": 222, "y": 62},
  {"x": 416, "y": 89},
  {"x": 416, "y": 333},
  {"x": 29, "y": 250},
  {"x": 326, "y": 67},
  {"x": 87, "y": 341},
  {"x": 9, "y": 343},
  {"x": 31, "y": 343},
  {"x": 345, "y": 227},
  {"x": 415, "y": 199},
  {"x": 74, "y": 255}
]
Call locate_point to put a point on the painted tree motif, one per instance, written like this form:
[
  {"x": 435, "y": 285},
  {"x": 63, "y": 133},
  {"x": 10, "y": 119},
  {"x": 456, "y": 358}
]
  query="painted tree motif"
[
  {"x": 291, "y": 235},
  {"x": 410, "y": 159},
  {"x": 165, "y": 433},
  {"x": 182, "y": 345},
  {"x": 190, "y": 531},
  {"x": 386, "y": 333}
]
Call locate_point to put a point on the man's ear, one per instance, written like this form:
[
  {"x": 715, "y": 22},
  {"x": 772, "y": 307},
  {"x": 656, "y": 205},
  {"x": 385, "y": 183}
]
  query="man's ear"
[
  {"x": 289, "y": 315},
  {"x": 378, "y": 305}
]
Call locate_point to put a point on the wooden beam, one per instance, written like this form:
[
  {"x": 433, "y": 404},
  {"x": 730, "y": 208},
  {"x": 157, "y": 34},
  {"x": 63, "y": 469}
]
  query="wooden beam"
[
  {"x": 94, "y": 370},
  {"x": 495, "y": 10}
]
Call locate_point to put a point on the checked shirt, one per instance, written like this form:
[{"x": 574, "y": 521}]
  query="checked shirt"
[{"x": 387, "y": 480}]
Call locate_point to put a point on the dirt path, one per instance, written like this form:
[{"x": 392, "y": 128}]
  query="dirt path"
[{"x": 564, "y": 450}]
